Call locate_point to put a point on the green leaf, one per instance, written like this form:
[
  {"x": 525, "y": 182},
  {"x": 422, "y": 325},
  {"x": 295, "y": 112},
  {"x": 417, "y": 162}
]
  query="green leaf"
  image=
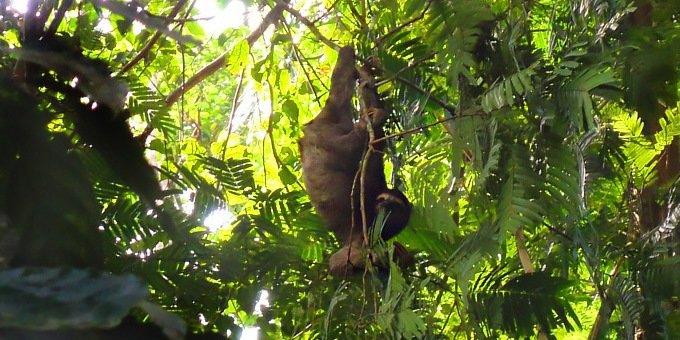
[
  {"x": 287, "y": 177},
  {"x": 157, "y": 145},
  {"x": 520, "y": 303},
  {"x": 291, "y": 109},
  {"x": 238, "y": 57},
  {"x": 123, "y": 25}
]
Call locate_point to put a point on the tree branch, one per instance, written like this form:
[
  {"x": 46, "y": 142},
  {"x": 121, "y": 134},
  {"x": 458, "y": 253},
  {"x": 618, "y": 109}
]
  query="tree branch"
[
  {"x": 328, "y": 42},
  {"x": 444, "y": 105},
  {"x": 58, "y": 17},
  {"x": 232, "y": 114},
  {"x": 420, "y": 128},
  {"x": 145, "y": 50},
  {"x": 527, "y": 265},
  {"x": 271, "y": 17},
  {"x": 380, "y": 40},
  {"x": 310, "y": 25},
  {"x": 362, "y": 180},
  {"x": 607, "y": 306},
  {"x": 357, "y": 15},
  {"x": 297, "y": 53},
  {"x": 405, "y": 68},
  {"x": 270, "y": 132},
  {"x": 328, "y": 10}
]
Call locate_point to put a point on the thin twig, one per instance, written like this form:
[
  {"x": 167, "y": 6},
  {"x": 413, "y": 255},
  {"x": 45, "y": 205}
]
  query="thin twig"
[
  {"x": 446, "y": 321},
  {"x": 451, "y": 109},
  {"x": 58, "y": 17},
  {"x": 357, "y": 15},
  {"x": 380, "y": 40},
  {"x": 232, "y": 114},
  {"x": 351, "y": 195},
  {"x": 270, "y": 132},
  {"x": 447, "y": 107},
  {"x": 417, "y": 129},
  {"x": 361, "y": 175},
  {"x": 527, "y": 265},
  {"x": 328, "y": 11},
  {"x": 354, "y": 221},
  {"x": 297, "y": 53},
  {"x": 362, "y": 179},
  {"x": 365, "y": 80},
  {"x": 310, "y": 25},
  {"x": 404, "y": 69},
  {"x": 558, "y": 232},
  {"x": 307, "y": 23},
  {"x": 606, "y": 306},
  {"x": 271, "y": 17},
  {"x": 147, "y": 48},
  {"x": 182, "y": 111}
]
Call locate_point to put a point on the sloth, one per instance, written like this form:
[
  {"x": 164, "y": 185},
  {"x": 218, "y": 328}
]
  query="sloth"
[{"x": 332, "y": 149}]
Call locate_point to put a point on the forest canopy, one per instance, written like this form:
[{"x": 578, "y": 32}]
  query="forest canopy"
[{"x": 151, "y": 184}]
